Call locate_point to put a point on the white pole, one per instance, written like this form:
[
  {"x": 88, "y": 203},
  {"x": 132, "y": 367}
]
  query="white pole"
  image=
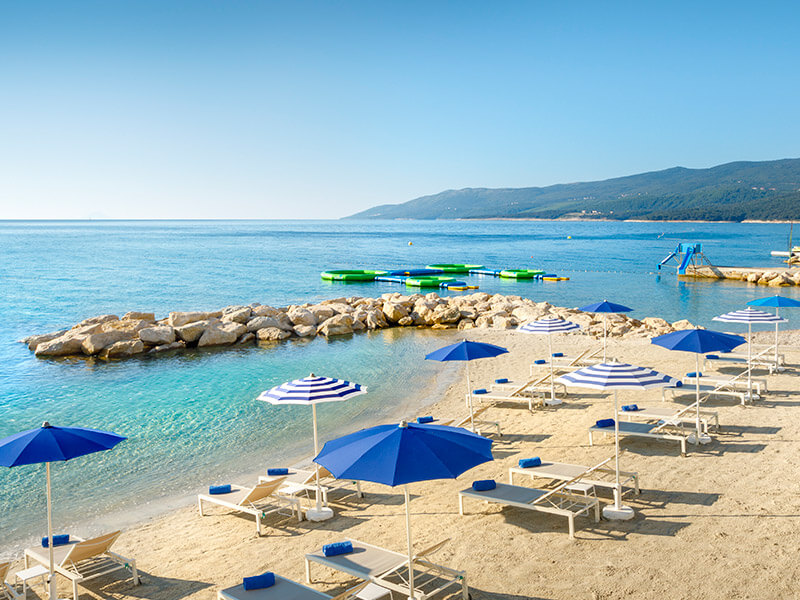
[
  {"x": 749, "y": 359},
  {"x": 52, "y": 578},
  {"x": 410, "y": 551},
  {"x": 316, "y": 452},
  {"x": 777, "y": 309},
  {"x": 552, "y": 376},
  {"x": 469, "y": 397},
  {"x": 697, "y": 391},
  {"x": 618, "y": 488},
  {"x": 604, "y": 336}
]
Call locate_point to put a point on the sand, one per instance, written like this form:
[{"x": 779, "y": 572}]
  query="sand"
[{"x": 719, "y": 523}]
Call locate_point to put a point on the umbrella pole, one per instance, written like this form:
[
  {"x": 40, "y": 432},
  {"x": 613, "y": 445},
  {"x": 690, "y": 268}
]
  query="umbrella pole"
[
  {"x": 604, "y": 337},
  {"x": 552, "y": 376},
  {"x": 52, "y": 578},
  {"x": 316, "y": 452},
  {"x": 617, "y": 488},
  {"x": 469, "y": 398},
  {"x": 697, "y": 393},
  {"x": 777, "y": 309},
  {"x": 749, "y": 360},
  {"x": 410, "y": 551}
]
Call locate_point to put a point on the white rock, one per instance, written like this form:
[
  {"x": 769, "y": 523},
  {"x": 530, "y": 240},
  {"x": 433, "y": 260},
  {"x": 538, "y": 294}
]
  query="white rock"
[
  {"x": 158, "y": 336},
  {"x": 272, "y": 334}
]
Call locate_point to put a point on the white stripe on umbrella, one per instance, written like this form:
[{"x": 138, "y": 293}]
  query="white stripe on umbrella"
[{"x": 548, "y": 327}]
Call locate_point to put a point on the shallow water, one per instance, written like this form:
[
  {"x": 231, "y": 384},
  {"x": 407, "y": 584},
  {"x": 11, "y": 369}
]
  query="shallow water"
[{"x": 191, "y": 419}]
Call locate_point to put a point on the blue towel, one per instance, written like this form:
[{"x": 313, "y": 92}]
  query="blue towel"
[
  {"x": 604, "y": 423},
  {"x": 219, "y": 489},
  {"x": 501, "y": 380},
  {"x": 540, "y": 361},
  {"x": 337, "y": 548},
  {"x": 258, "y": 582},
  {"x": 484, "y": 485},
  {"x": 678, "y": 384},
  {"x": 712, "y": 357},
  {"x": 524, "y": 463},
  {"x": 558, "y": 354},
  {"x": 630, "y": 408},
  {"x": 694, "y": 374},
  {"x": 427, "y": 419},
  {"x": 480, "y": 391},
  {"x": 58, "y": 540},
  {"x": 278, "y": 472}
]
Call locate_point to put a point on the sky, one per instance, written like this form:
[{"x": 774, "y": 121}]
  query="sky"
[{"x": 299, "y": 109}]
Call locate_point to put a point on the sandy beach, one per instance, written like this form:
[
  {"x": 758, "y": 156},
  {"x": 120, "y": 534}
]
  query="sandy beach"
[{"x": 719, "y": 523}]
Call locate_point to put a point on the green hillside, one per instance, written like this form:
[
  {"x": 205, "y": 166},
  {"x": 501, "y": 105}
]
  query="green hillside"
[{"x": 737, "y": 191}]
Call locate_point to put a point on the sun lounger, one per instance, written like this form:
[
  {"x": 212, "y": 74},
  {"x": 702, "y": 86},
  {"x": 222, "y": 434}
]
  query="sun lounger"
[
  {"x": 599, "y": 476},
  {"x": 586, "y": 358},
  {"x": 643, "y": 430},
  {"x": 480, "y": 424},
  {"x": 707, "y": 391},
  {"x": 259, "y": 501},
  {"x": 685, "y": 415},
  {"x": 738, "y": 358},
  {"x": 284, "y": 589},
  {"x": 389, "y": 569},
  {"x": 502, "y": 398},
  {"x": 739, "y": 382},
  {"x": 82, "y": 560},
  {"x": 303, "y": 482},
  {"x": 7, "y": 591},
  {"x": 558, "y": 501}
]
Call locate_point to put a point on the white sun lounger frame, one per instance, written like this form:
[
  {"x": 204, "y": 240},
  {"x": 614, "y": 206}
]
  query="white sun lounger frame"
[
  {"x": 425, "y": 573},
  {"x": 757, "y": 360},
  {"x": 643, "y": 430},
  {"x": 465, "y": 422},
  {"x": 285, "y": 589},
  {"x": 303, "y": 481},
  {"x": 683, "y": 416},
  {"x": 759, "y": 384},
  {"x": 558, "y": 471},
  {"x": 7, "y": 590},
  {"x": 84, "y": 559}
]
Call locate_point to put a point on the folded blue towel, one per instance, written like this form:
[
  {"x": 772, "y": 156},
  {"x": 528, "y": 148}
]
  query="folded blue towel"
[
  {"x": 630, "y": 408},
  {"x": 558, "y": 354},
  {"x": 278, "y": 472},
  {"x": 694, "y": 374},
  {"x": 712, "y": 357},
  {"x": 539, "y": 361},
  {"x": 524, "y": 463},
  {"x": 337, "y": 548},
  {"x": 501, "y": 380},
  {"x": 678, "y": 384},
  {"x": 58, "y": 540},
  {"x": 427, "y": 419},
  {"x": 258, "y": 582},
  {"x": 219, "y": 489},
  {"x": 484, "y": 485},
  {"x": 480, "y": 391},
  {"x": 604, "y": 423}
]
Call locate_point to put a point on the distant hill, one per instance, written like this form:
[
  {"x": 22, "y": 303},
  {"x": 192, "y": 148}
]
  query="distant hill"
[{"x": 736, "y": 191}]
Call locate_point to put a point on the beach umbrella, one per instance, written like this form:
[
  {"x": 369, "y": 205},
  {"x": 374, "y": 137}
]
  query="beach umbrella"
[
  {"x": 698, "y": 341},
  {"x": 549, "y": 327},
  {"x": 48, "y": 444},
  {"x": 749, "y": 316},
  {"x": 617, "y": 376},
  {"x": 605, "y": 307},
  {"x": 777, "y": 302},
  {"x": 402, "y": 454},
  {"x": 313, "y": 390},
  {"x": 466, "y": 351}
]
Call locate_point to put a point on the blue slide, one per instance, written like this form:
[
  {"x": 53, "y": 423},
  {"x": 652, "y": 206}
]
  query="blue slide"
[{"x": 686, "y": 258}]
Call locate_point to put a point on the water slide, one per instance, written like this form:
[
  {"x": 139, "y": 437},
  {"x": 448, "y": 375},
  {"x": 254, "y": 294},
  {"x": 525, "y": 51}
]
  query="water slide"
[{"x": 686, "y": 258}]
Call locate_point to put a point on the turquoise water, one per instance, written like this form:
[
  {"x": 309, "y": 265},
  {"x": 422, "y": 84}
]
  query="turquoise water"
[{"x": 192, "y": 419}]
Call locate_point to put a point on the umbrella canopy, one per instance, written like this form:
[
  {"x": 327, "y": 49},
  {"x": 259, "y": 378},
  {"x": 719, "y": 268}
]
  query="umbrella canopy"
[
  {"x": 605, "y": 307},
  {"x": 48, "y": 444},
  {"x": 467, "y": 351},
  {"x": 399, "y": 455},
  {"x": 617, "y": 376},
  {"x": 698, "y": 341},
  {"x": 749, "y": 316},
  {"x": 777, "y": 302},
  {"x": 548, "y": 327},
  {"x": 313, "y": 390}
]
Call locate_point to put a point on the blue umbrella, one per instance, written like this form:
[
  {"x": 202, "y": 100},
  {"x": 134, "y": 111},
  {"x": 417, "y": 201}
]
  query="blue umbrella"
[
  {"x": 313, "y": 390},
  {"x": 399, "y": 455},
  {"x": 605, "y": 307},
  {"x": 548, "y": 326},
  {"x": 466, "y": 351},
  {"x": 48, "y": 444},
  {"x": 777, "y": 302},
  {"x": 617, "y": 376},
  {"x": 698, "y": 341}
]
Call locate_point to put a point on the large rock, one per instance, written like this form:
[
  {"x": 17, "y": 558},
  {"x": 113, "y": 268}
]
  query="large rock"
[
  {"x": 97, "y": 320},
  {"x": 131, "y": 326},
  {"x": 682, "y": 324},
  {"x": 446, "y": 314},
  {"x": 272, "y": 334},
  {"x": 263, "y": 310},
  {"x": 68, "y": 343},
  {"x": 655, "y": 323},
  {"x": 305, "y": 330},
  {"x": 95, "y": 342},
  {"x": 754, "y": 277},
  {"x": 178, "y": 319},
  {"x": 247, "y": 338},
  {"x": 158, "y": 336},
  {"x": 483, "y": 322},
  {"x": 265, "y": 322},
  {"x": 322, "y": 312},
  {"x": 336, "y": 325},
  {"x": 122, "y": 349},
  {"x": 191, "y": 332},
  {"x": 33, "y": 341},
  {"x": 302, "y": 316},
  {"x": 374, "y": 319},
  {"x": 168, "y": 347},
  {"x": 221, "y": 334},
  {"x": 394, "y": 311},
  {"x": 139, "y": 316},
  {"x": 238, "y": 315}
]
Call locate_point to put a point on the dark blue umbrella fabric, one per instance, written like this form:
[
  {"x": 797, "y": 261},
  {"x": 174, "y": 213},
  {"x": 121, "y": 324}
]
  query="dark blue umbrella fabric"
[
  {"x": 51, "y": 444},
  {"x": 605, "y": 307},
  {"x": 406, "y": 453},
  {"x": 466, "y": 350},
  {"x": 775, "y": 302},
  {"x": 698, "y": 341}
]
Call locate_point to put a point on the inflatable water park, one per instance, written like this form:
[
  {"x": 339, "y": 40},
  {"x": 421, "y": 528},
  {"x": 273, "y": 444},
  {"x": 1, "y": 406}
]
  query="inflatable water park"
[{"x": 440, "y": 275}]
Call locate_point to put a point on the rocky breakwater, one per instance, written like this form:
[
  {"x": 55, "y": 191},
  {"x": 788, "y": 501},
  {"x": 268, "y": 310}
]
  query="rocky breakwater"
[
  {"x": 768, "y": 277},
  {"x": 137, "y": 333}
]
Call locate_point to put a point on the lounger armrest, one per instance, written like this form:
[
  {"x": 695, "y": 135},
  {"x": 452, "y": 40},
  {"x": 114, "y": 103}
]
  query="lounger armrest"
[{"x": 431, "y": 549}]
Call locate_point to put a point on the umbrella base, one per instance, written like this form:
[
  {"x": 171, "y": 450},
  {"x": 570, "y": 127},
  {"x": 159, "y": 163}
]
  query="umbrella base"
[
  {"x": 322, "y": 514},
  {"x": 623, "y": 513},
  {"x": 704, "y": 439},
  {"x": 553, "y": 402}
]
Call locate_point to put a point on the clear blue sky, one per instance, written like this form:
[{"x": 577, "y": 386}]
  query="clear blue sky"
[{"x": 159, "y": 109}]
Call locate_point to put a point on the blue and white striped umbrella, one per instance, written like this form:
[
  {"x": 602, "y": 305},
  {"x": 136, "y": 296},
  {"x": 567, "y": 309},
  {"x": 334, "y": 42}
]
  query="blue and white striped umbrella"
[
  {"x": 313, "y": 390},
  {"x": 777, "y": 302},
  {"x": 617, "y": 376},
  {"x": 548, "y": 327}
]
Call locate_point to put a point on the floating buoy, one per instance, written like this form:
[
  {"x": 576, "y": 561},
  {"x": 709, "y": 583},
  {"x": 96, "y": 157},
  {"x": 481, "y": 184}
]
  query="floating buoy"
[
  {"x": 410, "y": 243},
  {"x": 569, "y": 237}
]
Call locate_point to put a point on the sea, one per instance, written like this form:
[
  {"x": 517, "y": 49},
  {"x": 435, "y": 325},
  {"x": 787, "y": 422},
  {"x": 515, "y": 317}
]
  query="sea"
[{"x": 192, "y": 419}]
